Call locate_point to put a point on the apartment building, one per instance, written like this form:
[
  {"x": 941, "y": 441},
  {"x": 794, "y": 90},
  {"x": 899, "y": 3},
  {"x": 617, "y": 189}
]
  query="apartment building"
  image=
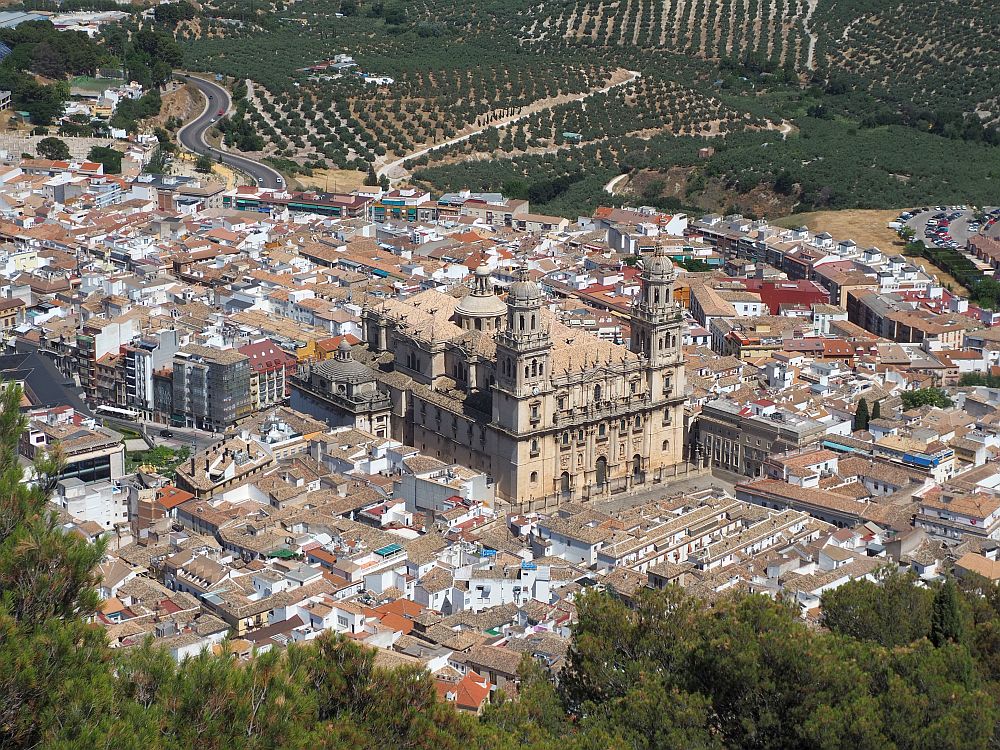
[
  {"x": 211, "y": 387},
  {"x": 271, "y": 370},
  {"x": 149, "y": 354},
  {"x": 742, "y": 438}
]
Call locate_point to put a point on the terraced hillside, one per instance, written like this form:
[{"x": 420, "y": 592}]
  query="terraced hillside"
[
  {"x": 786, "y": 92},
  {"x": 938, "y": 54},
  {"x": 315, "y": 122},
  {"x": 773, "y": 29}
]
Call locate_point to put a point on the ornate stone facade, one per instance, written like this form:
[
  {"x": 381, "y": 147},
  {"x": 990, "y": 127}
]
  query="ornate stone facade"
[{"x": 545, "y": 410}]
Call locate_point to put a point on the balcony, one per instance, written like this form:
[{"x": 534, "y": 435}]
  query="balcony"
[{"x": 600, "y": 411}]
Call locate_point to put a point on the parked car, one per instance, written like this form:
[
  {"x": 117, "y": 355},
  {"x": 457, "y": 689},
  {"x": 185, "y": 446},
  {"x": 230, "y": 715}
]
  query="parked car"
[{"x": 166, "y": 433}]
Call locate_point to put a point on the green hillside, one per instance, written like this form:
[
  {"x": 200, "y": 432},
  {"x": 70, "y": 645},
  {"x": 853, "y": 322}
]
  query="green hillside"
[{"x": 909, "y": 83}]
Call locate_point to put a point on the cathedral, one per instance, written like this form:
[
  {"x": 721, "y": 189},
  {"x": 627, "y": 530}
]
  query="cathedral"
[{"x": 500, "y": 385}]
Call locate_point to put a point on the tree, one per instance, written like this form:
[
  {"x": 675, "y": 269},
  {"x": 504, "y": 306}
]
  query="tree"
[
  {"x": 109, "y": 157},
  {"x": 371, "y": 179},
  {"x": 203, "y": 164},
  {"x": 53, "y": 148},
  {"x": 891, "y": 611},
  {"x": 925, "y": 397},
  {"x": 395, "y": 15},
  {"x": 784, "y": 183},
  {"x": 861, "y": 415},
  {"x": 171, "y": 14},
  {"x": 876, "y": 410},
  {"x": 383, "y": 182},
  {"x": 946, "y": 618}
]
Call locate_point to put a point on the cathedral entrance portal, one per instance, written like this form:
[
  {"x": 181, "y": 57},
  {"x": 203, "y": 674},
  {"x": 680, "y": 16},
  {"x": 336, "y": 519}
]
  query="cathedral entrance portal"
[
  {"x": 564, "y": 483},
  {"x": 602, "y": 472}
]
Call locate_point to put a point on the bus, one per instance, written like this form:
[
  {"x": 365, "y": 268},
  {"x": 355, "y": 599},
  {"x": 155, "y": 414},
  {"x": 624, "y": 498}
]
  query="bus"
[{"x": 117, "y": 413}]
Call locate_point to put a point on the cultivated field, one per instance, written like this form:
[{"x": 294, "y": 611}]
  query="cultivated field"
[{"x": 564, "y": 95}]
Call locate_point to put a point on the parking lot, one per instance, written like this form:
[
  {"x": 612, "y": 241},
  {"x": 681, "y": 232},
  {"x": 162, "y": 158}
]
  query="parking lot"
[{"x": 950, "y": 226}]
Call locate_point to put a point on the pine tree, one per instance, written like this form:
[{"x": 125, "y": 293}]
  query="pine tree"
[
  {"x": 876, "y": 410},
  {"x": 946, "y": 619},
  {"x": 372, "y": 179},
  {"x": 861, "y": 416}
]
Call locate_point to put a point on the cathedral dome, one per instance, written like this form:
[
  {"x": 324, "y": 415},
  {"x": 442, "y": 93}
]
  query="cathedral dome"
[
  {"x": 659, "y": 265},
  {"x": 524, "y": 292},
  {"x": 481, "y": 302},
  {"x": 344, "y": 368}
]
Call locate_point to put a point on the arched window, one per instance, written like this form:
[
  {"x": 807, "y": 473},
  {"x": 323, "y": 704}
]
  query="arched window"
[
  {"x": 597, "y": 393},
  {"x": 534, "y": 367},
  {"x": 525, "y": 371},
  {"x": 534, "y": 445},
  {"x": 521, "y": 322},
  {"x": 666, "y": 446},
  {"x": 656, "y": 296},
  {"x": 564, "y": 483},
  {"x": 638, "y": 422},
  {"x": 637, "y": 468},
  {"x": 534, "y": 477},
  {"x": 601, "y": 429},
  {"x": 532, "y": 321},
  {"x": 565, "y": 438},
  {"x": 579, "y": 435}
]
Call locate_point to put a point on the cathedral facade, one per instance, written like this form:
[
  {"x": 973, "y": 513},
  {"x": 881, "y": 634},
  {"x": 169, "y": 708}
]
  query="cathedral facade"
[{"x": 502, "y": 386}]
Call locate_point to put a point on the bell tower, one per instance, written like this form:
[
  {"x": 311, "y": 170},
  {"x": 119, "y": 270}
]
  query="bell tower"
[
  {"x": 523, "y": 347},
  {"x": 522, "y": 398},
  {"x": 657, "y": 326}
]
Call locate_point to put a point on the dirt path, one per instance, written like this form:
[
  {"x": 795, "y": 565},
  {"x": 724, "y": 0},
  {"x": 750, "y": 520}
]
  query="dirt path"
[
  {"x": 396, "y": 169},
  {"x": 613, "y": 184},
  {"x": 806, "y": 21}
]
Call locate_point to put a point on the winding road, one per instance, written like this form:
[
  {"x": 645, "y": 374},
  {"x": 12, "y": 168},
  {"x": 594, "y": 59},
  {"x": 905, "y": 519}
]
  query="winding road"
[
  {"x": 613, "y": 183},
  {"x": 192, "y": 135}
]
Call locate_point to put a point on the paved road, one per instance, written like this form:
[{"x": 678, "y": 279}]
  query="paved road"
[
  {"x": 188, "y": 437},
  {"x": 192, "y": 135}
]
